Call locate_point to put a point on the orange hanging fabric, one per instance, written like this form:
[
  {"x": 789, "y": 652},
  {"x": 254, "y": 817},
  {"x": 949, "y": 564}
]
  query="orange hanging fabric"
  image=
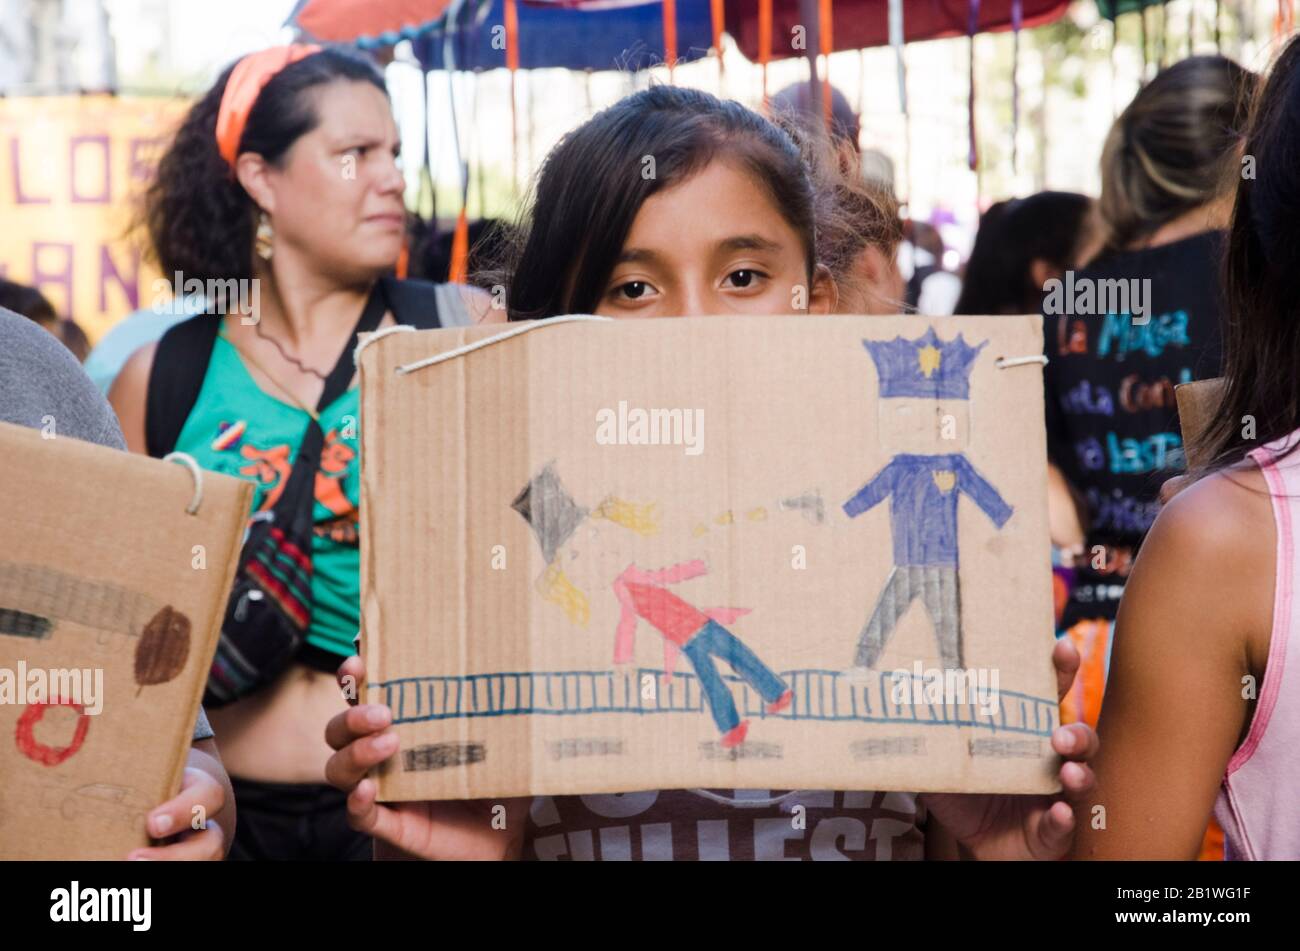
[
  {"x": 717, "y": 16},
  {"x": 459, "y": 270},
  {"x": 670, "y": 35},
  {"x": 827, "y": 45},
  {"x": 764, "y": 40},
  {"x": 403, "y": 260},
  {"x": 512, "y": 64},
  {"x": 512, "y": 34}
]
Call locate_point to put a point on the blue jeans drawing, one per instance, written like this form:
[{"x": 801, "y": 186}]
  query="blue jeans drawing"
[{"x": 714, "y": 640}]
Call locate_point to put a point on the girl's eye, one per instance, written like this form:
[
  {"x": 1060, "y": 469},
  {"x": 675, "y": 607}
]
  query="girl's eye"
[
  {"x": 633, "y": 289},
  {"x": 745, "y": 277}
]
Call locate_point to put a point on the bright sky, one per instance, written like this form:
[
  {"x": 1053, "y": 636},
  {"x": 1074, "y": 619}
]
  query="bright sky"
[{"x": 203, "y": 35}]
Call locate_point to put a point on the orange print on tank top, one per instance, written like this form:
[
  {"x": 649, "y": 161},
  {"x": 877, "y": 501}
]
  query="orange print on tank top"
[
  {"x": 335, "y": 459},
  {"x": 271, "y": 467}
]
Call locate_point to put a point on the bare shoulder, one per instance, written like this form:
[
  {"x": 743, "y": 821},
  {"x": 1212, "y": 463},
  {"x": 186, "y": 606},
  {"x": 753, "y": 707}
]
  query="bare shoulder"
[
  {"x": 1207, "y": 565},
  {"x": 1227, "y": 514},
  {"x": 128, "y": 395}
]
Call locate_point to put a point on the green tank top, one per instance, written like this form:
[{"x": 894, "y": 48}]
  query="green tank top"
[{"x": 239, "y": 429}]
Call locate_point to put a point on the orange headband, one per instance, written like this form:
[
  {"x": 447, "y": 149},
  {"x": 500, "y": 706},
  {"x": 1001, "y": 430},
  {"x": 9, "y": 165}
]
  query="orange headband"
[{"x": 247, "y": 80}]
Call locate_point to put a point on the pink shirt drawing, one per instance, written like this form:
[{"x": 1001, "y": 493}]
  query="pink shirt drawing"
[{"x": 642, "y": 595}]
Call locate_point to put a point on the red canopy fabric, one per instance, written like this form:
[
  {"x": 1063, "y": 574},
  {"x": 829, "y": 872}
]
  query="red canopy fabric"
[
  {"x": 343, "y": 21},
  {"x": 859, "y": 23}
]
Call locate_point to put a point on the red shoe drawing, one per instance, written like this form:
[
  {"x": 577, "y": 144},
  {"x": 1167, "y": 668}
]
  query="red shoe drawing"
[
  {"x": 736, "y": 736},
  {"x": 781, "y": 702}
]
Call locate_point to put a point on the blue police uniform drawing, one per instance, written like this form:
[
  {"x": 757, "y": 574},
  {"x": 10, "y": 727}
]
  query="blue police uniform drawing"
[{"x": 923, "y": 492}]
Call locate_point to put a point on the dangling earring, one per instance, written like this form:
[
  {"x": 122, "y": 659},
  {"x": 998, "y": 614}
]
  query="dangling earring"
[{"x": 262, "y": 241}]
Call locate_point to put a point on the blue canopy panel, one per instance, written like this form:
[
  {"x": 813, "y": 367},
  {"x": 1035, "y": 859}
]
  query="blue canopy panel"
[{"x": 623, "y": 38}]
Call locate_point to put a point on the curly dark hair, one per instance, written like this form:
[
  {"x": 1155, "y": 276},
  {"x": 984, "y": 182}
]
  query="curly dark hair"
[{"x": 199, "y": 219}]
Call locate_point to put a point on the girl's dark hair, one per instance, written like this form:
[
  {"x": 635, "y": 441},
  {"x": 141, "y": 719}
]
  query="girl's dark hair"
[
  {"x": 593, "y": 183},
  {"x": 1261, "y": 278},
  {"x": 1172, "y": 148},
  {"x": 1013, "y": 235},
  {"x": 199, "y": 219}
]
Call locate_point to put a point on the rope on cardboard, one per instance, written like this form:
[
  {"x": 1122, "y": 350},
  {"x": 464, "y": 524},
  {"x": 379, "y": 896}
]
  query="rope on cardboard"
[
  {"x": 521, "y": 328},
  {"x": 185, "y": 459},
  {"x": 377, "y": 335},
  {"x": 1003, "y": 363}
]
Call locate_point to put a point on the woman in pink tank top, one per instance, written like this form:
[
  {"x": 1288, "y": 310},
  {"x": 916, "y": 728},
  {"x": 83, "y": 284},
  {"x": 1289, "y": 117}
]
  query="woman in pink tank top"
[{"x": 1202, "y": 710}]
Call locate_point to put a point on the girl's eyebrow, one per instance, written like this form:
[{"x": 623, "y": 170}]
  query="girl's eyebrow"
[
  {"x": 637, "y": 256},
  {"x": 749, "y": 242},
  {"x": 740, "y": 242}
]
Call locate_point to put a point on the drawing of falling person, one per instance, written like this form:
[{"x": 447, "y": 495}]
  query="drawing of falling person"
[
  {"x": 923, "y": 491},
  {"x": 699, "y": 634},
  {"x": 643, "y": 595}
]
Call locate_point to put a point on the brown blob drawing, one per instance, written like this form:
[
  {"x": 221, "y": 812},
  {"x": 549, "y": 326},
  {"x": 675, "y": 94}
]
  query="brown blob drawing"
[{"x": 163, "y": 647}]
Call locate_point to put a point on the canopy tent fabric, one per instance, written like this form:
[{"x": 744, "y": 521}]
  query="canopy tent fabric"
[
  {"x": 598, "y": 36},
  {"x": 629, "y": 34},
  {"x": 367, "y": 23},
  {"x": 864, "y": 23},
  {"x": 1110, "y": 9}
]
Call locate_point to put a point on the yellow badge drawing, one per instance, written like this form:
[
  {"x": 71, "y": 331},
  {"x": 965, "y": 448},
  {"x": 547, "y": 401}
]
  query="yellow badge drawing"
[{"x": 928, "y": 357}]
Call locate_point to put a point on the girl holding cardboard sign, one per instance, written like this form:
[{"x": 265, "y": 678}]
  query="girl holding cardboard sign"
[{"x": 607, "y": 236}]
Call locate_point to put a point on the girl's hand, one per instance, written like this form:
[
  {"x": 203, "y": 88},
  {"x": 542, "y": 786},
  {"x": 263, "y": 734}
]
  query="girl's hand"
[
  {"x": 188, "y": 821},
  {"x": 451, "y": 830},
  {"x": 1027, "y": 827}
]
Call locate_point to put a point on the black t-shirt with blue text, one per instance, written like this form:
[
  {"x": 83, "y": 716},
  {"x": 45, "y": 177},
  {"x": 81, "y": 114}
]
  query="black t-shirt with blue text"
[{"x": 1112, "y": 423}]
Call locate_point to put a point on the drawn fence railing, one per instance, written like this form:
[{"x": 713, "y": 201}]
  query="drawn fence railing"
[{"x": 818, "y": 695}]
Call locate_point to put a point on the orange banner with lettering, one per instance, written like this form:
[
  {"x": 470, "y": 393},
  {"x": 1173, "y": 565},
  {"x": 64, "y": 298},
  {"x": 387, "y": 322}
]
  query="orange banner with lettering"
[{"x": 72, "y": 169}]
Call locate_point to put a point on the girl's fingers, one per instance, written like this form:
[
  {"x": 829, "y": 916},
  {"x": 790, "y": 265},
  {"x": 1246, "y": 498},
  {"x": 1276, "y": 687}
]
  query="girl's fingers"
[
  {"x": 348, "y": 767},
  {"x": 355, "y": 723},
  {"x": 198, "y": 789},
  {"x": 1076, "y": 741},
  {"x": 208, "y": 845},
  {"x": 1078, "y": 781},
  {"x": 1056, "y": 830},
  {"x": 350, "y": 676},
  {"x": 368, "y": 816},
  {"x": 1065, "y": 658}
]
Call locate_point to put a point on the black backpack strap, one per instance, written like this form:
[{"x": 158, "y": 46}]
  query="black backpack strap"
[
  {"x": 336, "y": 384},
  {"x": 180, "y": 363},
  {"x": 181, "y": 359},
  {"x": 414, "y": 303}
]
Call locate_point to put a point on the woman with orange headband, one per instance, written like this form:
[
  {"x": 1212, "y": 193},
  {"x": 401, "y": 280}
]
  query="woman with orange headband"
[{"x": 281, "y": 196}]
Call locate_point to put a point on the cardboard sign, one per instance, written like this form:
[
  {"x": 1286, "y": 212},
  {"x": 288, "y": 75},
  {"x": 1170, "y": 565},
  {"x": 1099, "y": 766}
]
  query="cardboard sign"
[
  {"x": 1197, "y": 402},
  {"x": 111, "y": 600},
  {"x": 732, "y": 552}
]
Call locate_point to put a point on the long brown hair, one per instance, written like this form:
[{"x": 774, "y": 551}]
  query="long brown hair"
[
  {"x": 1260, "y": 401},
  {"x": 1173, "y": 148}
]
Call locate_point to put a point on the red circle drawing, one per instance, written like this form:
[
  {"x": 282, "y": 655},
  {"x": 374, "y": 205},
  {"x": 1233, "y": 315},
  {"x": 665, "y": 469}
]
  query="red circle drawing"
[{"x": 49, "y": 755}]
